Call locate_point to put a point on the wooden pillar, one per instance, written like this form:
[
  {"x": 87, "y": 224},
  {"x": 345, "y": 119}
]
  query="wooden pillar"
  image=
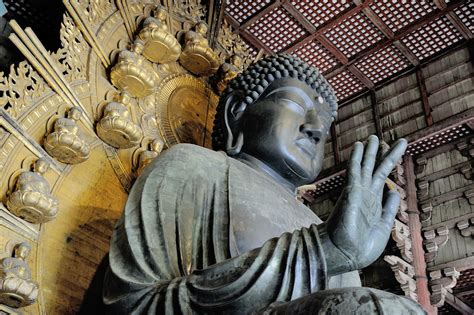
[
  {"x": 414, "y": 224},
  {"x": 335, "y": 149}
]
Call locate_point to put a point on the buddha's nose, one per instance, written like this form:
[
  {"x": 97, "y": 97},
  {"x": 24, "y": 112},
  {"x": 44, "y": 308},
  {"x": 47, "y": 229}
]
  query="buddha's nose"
[{"x": 312, "y": 131}]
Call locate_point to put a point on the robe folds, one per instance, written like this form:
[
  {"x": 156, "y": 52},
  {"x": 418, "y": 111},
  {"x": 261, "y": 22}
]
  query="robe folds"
[{"x": 204, "y": 233}]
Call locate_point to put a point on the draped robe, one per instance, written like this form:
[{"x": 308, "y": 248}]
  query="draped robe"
[{"x": 204, "y": 233}]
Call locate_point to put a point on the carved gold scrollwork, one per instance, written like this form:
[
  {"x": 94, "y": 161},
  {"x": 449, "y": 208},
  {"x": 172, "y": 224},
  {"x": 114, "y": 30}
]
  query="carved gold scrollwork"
[
  {"x": 31, "y": 198},
  {"x": 116, "y": 127},
  {"x": 160, "y": 46},
  {"x": 66, "y": 142},
  {"x": 132, "y": 73},
  {"x": 197, "y": 56},
  {"x": 16, "y": 287}
]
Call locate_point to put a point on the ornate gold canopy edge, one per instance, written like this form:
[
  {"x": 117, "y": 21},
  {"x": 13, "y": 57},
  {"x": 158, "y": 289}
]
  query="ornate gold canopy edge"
[{"x": 78, "y": 125}]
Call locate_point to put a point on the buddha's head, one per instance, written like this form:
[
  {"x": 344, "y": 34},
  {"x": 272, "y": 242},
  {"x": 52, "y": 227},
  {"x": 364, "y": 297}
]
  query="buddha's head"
[
  {"x": 138, "y": 46},
  {"x": 157, "y": 145},
  {"x": 160, "y": 13},
  {"x": 278, "y": 111},
  {"x": 122, "y": 98},
  {"x": 41, "y": 166},
  {"x": 74, "y": 113},
  {"x": 236, "y": 61},
  {"x": 22, "y": 250},
  {"x": 201, "y": 28}
]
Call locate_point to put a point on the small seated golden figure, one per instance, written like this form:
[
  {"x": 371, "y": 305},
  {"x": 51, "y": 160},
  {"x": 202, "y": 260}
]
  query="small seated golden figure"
[
  {"x": 160, "y": 45},
  {"x": 227, "y": 71},
  {"x": 133, "y": 73},
  {"x": 31, "y": 198},
  {"x": 116, "y": 128},
  {"x": 146, "y": 157},
  {"x": 16, "y": 287},
  {"x": 197, "y": 56},
  {"x": 66, "y": 143}
]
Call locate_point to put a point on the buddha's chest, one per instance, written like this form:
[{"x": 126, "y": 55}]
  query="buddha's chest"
[{"x": 260, "y": 209}]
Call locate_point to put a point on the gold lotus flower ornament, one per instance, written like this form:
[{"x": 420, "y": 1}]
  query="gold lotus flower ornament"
[
  {"x": 160, "y": 46},
  {"x": 133, "y": 74},
  {"x": 31, "y": 198},
  {"x": 116, "y": 128},
  {"x": 16, "y": 287},
  {"x": 66, "y": 143},
  {"x": 197, "y": 56}
]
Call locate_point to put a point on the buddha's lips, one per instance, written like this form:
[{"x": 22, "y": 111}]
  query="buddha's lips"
[{"x": 307, "y": 146}]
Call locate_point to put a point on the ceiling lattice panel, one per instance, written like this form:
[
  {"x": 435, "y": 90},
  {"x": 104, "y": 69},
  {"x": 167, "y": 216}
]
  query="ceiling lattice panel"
[
  {"x": 398, "y": 14},
  {"x": 316, "y": 55},
  {"x": 345, "y": 84},
  {"x": 319, "y": 12},
  {"x": 354, "y": 34},
  {"x": 466, "y": 13},
  {"x": 432, "y": 38},
  {"x": 383, "y": 63},
  {"x": 438, "y": 140},
  {"x": 349, "y": 36},
  {"x": 241, "y": 10},
  {"x": 277, "y": 29}
]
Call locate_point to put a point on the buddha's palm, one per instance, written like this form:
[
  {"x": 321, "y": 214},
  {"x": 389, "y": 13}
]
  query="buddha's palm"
[{"x": 359, "y": 225}]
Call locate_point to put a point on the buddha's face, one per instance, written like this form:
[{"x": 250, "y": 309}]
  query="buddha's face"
[
  {"x": 22, "y": 251},
  {"x": 201, "y": 28},
  {"x": 286, "y": 128},
  {"x": 75, "y": 114},
  {"x": 160, "y": 14},
  {"x": 236, "y": 61},
  {"x": 41, "y": 166}
]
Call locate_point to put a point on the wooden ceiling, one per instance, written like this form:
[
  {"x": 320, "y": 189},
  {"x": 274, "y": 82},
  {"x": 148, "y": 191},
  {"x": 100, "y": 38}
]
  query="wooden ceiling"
[{"x": 356, "y": 44}]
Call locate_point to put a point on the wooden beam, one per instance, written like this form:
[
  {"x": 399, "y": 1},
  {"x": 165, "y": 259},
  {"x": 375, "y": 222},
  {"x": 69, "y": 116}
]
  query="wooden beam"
[
  {"x": 216, "y": 12},
  {"x": 433, "y": 15},
  {"x": 362, "y": 77},
  {"x": 299, "y": 17},
  {"x": 458, "y": 304},
  {"x": 444, "y": 148},
  {"x": 454, "y": 19},
  {"x": 453, "y": 169},
  {"x": 328, "y": 25},
  {"x": 468, "y": 291},
  {"x": 255, "y": 17},
  {"x": 450, "y": 195},
  {"x": 376, "y": 114},
  {"x": 460, "y": 264},
  {"x": 377, "y": 21},
  {"x": 414, "y": 225},
  {"x": 441, "y": 126},
  {"x": 424, "y": 97},
  {"x": 335, "y": 149},
  {"x": 450, "y": 224}
]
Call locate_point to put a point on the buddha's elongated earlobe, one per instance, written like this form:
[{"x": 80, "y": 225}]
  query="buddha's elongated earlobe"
[
  {"x": 234, "y": 149},
  {"x": 234, "y": 110}
]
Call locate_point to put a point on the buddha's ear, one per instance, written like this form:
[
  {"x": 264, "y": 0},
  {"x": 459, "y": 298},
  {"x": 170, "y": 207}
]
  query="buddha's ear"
[{"x": 234, "y": 110}]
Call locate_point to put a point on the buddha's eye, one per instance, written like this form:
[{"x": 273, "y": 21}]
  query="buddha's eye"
[{"x": 294, "y": 104}]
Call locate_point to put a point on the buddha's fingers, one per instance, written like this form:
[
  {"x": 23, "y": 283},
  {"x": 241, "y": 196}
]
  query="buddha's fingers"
[
  {"x": 387, "y": 164},
  {"x": 368, "y": 162},
  {"x": 353, "y": 168},
  {"x": 389, "y": 211}
]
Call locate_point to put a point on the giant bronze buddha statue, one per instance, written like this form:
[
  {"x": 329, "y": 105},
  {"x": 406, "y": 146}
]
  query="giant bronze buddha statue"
[{"x": 222, "y": 232}]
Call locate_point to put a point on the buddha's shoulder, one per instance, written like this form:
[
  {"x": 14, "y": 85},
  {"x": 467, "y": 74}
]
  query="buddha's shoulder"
[{"x": 192, "y": 156}]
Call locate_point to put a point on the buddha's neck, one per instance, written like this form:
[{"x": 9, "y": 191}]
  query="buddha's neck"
[{"x": 261, "y": 167}]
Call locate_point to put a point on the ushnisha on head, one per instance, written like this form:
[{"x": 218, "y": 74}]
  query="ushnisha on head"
[{"x": 278, "y": 111}]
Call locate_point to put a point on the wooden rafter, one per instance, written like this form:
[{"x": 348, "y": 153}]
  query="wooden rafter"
[
  {"x": 424, "y": 97},
  {"x": 376, "y": 114},
  {"x": 247, "y": 36},
  {"x": 377, "y": 21},
  {"x": 455, "y": 20}
]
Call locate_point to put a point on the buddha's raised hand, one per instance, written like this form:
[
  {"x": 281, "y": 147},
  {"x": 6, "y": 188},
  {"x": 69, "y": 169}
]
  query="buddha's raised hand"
[{"x": 358, "y": 229}]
